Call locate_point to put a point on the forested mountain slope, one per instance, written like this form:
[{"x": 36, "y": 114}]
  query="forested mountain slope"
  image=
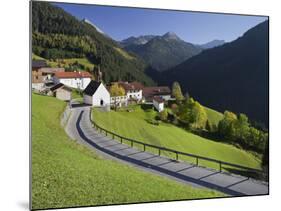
[
  {"x": 58, "y": 35},
  {"x": 233, "y": 76}
]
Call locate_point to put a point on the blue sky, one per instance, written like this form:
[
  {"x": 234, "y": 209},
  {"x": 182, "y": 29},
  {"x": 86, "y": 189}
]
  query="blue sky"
[{"x": 198, "y": 28}]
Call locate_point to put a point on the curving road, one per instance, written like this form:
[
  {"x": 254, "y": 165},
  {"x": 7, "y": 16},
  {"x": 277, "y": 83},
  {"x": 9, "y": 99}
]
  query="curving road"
[{"x": 79, "y": 128}]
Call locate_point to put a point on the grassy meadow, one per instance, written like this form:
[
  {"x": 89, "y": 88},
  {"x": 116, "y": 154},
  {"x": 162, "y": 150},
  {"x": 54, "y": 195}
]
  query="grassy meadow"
[
  {"x": 135, "y": 125},
  {"x": 66, "y": 62},
  {"x": 67, "y": 174},
  {"x": 213, "y": 116}
]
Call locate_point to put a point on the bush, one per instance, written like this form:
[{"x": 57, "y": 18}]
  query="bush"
[
  {"x": 175, "y": 121},
  {"x": 208, "y": 126},
  {"x": 153, "y": 121},
  {"x": 239, "y": 131},
  {"x": 193, "y": 114},
  {"x": 163, "y": 115},
  {"x": 174, "y": 108}
]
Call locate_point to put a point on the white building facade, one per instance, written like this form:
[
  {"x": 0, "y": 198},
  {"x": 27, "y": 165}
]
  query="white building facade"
[
  {"x": 96, "y": 94},
  {"x": 133, "y": 90},
  {"x": 134, "y": 94},
  {"x": 76, "y": 80},
  {"x": 119, "y": 100},
  {"x": 158, "y": 103}
]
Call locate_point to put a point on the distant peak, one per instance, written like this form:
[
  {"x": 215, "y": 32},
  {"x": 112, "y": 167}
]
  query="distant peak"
[
  {"x": 171, "y": 35},
  {"x": 212, "y": 44},
  {"x": 140, "y": 40}
]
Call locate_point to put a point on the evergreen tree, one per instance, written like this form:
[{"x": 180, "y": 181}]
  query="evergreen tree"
[
  {"x": 208, "y": 126},
  {"x": 240, "y": 128}
]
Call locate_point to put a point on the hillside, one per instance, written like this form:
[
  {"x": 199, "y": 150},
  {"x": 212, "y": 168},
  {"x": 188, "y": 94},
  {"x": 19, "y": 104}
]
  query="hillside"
[
  {"x": 81, "y": 63},
  {"x": 233, "y": 76},
  {"x": 67, "y": 174},
  {"x": 59, "y": 35},
  {"x": 136, "y": 125},
  {"x": 162, "y": 52},
  {"x": 213, "y": 116}
]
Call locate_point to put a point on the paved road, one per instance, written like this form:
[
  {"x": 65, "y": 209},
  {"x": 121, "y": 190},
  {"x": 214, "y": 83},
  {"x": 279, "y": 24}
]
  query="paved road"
[{"x": 79, "y": 128}]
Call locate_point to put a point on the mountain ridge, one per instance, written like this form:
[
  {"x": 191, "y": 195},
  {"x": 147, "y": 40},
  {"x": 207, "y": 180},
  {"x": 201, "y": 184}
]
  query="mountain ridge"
[
  {"x": 140, "y": 40},
  {"x": 92, "y": 24},
  {"x": 233, "y": 76},
  {"x": 212, "y": 44},
  {"x": 162, "y": 51}
]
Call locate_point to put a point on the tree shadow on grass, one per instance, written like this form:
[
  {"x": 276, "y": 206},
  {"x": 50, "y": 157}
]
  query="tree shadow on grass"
[
  {"x": 146, "y": 107},
  {"x": 246, "y": 173}
]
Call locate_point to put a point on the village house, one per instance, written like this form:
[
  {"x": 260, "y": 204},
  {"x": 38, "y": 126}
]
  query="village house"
[
  {"x": 157, "y": 96},
  {"x": 37, "y": 64},
  {"x": 77, "y": 80},
  {"x": 158, "y": 103},
  {"x": 119, "y": 101},
  {"x": 136, "y": 91},
  {"x": 162, "y": 91},
  {"x": 36, "y": 76},
  {"x": 61, "y": 92},
  {"x": 49, "y": 72},
  {"x": 42, "y": 75},
  {"x": 96, "y": 94},
  {"x": 133, "y": 90}
]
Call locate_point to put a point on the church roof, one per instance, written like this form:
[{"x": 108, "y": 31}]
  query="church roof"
[{"x": 92, "y": 88}]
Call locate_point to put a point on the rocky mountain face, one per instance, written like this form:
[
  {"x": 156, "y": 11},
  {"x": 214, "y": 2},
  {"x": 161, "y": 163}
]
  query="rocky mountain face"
[{"x": 161, "y": 52}]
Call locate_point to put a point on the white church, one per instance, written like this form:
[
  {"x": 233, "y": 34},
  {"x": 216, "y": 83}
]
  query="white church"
[{"x": 96, "y": 95}]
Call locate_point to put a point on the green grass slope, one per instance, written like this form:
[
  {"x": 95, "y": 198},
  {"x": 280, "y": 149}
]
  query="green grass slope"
[
  {"x": 213, "y": 116},
  {"x": 66, "y": 63},
  {"x": 134, "y": 125},
  {"x": 66, "y": 174}
]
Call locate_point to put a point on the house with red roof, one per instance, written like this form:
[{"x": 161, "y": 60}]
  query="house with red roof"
[
  {"x": 161, "y": 91},
  {"x": 133, "y": 90},
  {"x": 155, "y": 95},
  {"x": 77, "y": 80},
  {"x": 42, "y": 74}
]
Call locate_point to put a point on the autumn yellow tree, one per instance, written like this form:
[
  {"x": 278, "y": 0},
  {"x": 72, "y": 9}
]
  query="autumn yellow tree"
[
  {"x": 176, "y": 92},
  {"x": 116, "y": 90}
]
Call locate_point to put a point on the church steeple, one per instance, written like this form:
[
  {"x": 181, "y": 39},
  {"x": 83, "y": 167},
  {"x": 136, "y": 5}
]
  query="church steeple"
[{"x": 97, "y": 71}]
